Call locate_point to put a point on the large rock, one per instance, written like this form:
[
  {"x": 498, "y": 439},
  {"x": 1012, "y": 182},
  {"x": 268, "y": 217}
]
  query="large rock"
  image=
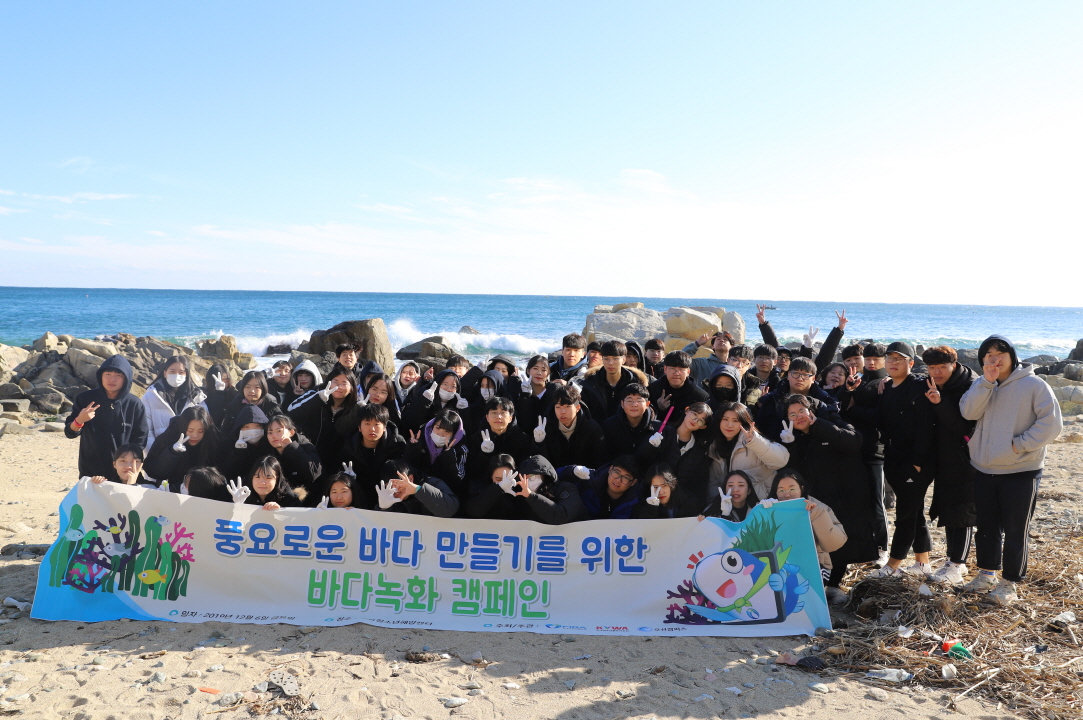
[
  {"x": 690, "y": 324},
  {"x": 627, "y": 306},
  {"x": 1074, "y": 371},
  {"x": 246, "y": 361},
  {"x": 46, "y": 342},
  {"x": 734, "y": 324},
  {"x": 85, "y": 365},
  {"x": 1077, "y": 354},
  {"x": 640, "y": 324},
  {"x": 369, "y": 335},
  {"x": 415, "y": 350},
  {"x": 12, "y": 357},
  {"x": 58, "y": 375},
  {"x": 10, "y": 427},
  {"x": 1069, "y": 394},
  {"x": 47, "y": 399},
  {"x": 104, "y": 350},
  {"x": 467, "y": 330},
  {"x": 969, "y": 357},
  {"x": 11, "y": 390}
]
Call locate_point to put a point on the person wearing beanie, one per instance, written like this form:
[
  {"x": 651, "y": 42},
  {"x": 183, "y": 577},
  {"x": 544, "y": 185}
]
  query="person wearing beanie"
[
  {"x": 1016, "y": 416},
  {"x": 534, "y": 492}
]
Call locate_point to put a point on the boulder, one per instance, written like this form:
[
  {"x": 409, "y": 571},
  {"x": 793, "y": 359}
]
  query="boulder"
[
  {"x": 48, "y": 399},
  {"x": 11, "y": 390},
  {"x": 66, "y": 339},
  {"x": 1074, "y": 371},
  {"x": 45, "y": 343},
  {"x": 161, "y": 349},
  {"x": 12, "y": 357},
  {"x": 1077, "y": 354},
  {"x": 224, "y": 348},
  {"x": 437, "y": 364},
  {"x": 691, "y": 324},
  {"x": 15, "y": 405},
  {"x": 711, "y": 310},
  {"x": 969, "y": 357},
  {"x": 734, "y": 324},
  {"x": 1057, "y": 381},
  {"x": 415, "y": 350},
  {"x": 603, "y": 308},
  {"x": 640, "y": 324},
  {"x": 84, "y": 364},
  {"x": 467, "y": 330},
  {"x": 323, "y": 362},
  {"x": 282, "y": 349},
  {"x": 1069, "y": 394},
  {"x": 10, "y": 427},
  {"x": 369, "y": 335},
  {"x": 627, "y": 306},
  {"x": 104, "y": 350},
  {"x": 246, "y": 361},
  {"x": 1040, "y": 359},
  {"x": 58, "y": 375}
]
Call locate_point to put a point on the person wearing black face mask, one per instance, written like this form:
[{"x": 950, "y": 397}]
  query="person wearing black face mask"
[{"x": 724, "y": 386}]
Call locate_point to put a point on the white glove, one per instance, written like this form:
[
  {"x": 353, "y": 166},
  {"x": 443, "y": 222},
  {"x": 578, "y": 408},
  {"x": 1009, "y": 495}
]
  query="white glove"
[
  {"x": 164, "y": 486},
  {"x": 239, "y": 492},
  {"x": 768, "y": 502},
  {"x": 526, "y": 385},
  {"x": 325, "y": 394},
  {"x": 430, "y": 393},
  {"x": 653, "y": 499},
  {"x": 323, "y": 503},
  {"x": 727, "y": 501},
  {"x": 461, "y": 403},
  {"x": 786, "y": 435},
  {"x": 539, "y": 432},
  {"x": 179, "y": 445},
  {"x": 656, "y": 439},
  {"x": 810, "y": 336},
  {"x": 386, "y": 492},
  {"x": 240, "y": 444},
  {"x": 219, "y": 383},
  {"x": 581, "y": 471},
  {"x": 487, "y": 445},
  {"x": 507, "y": 482},
  {"x": 348, "y": 469}
]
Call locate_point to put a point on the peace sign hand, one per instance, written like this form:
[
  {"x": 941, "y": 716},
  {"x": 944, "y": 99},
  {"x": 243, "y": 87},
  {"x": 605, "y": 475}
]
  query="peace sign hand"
[
  {"x": 842, "y": 319},
  {"x": 853, "y": 381},
  {"x": 786, "y": 435},
  {"x": 750, "y": 433},
  {"x": 414, "y": 436},
  {"x": 87, "y": 414},
  {"x": 761, "y": 313},
  {"x": 653, "y": 499},
  {"x": 933, "y": 394},
  {"x": 664, "y": 401}
]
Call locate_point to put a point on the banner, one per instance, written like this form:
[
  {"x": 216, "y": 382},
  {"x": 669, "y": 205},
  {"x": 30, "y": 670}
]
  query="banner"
[{"x": 126, "y": 552}]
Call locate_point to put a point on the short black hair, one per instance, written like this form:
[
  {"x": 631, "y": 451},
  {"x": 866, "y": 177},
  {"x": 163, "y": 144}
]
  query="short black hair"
[
  {"x": 259, "y": 377},
  {"x": 499, "y": 402},
  {"x": 875, "y": 349},
  {"x": 448, "y": 420},
  {"x": 854, "y": 350},
  {"x": 134, "y": 448},
  {"x": 796, "y": 399},
  {"x": 765, "y": 350},
  {"x": 206, "y": 482},
  {"x": 614, "y": 348},
  {"x": 634, "y": 389},
  {"x": 346, "y": 346},
  {"x": 783, "y": 350},
  {"x": 280, "y": 363},
  {"x": 940, "y": 355},
  {"x": 566, "y": 395},
  {"x": 392, "y": 468},
  {"x": 627, "y": 462},
  {"x": 456, "y": 361},
  {"x": 575, "y": 341},
  {"x": 654, "y": 344},
  {"x": 803, "y": 364},
  {"x": 594, "y": 346},
  {"x": 678, "y": 359},
  {"x": 371, "y": 412},
  {"x": 741, "y": 351}
]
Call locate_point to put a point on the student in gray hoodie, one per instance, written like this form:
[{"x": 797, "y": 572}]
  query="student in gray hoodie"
[{"x": 1017, "y": 415}]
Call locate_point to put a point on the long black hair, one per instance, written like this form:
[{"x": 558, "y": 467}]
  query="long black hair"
[
  {"x": 281, "y": 491},
  {"x": 206, "y": 452}
]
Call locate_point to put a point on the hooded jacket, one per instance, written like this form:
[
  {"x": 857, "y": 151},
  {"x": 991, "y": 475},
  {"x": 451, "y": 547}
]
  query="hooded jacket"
[
  {"x": 267, "y": 405},
  {"x": 512, "y": 441},
  {"x": 316, "y": 420},
  {"x": 300, "y": 462},
  {"x": 166, "y": 464},
  {"x": 294, "y": 390},
  {"x": 953, "y": 488},
  {"x": 679, "y": 398},
  {"x": 555, "y": 502},
  {"x": 594, "y": 494},
  {"x": 421, "y": 409},
  {"x": 603, "y": 398},
  {"x": 585, "y": 446},
  {"x": 636, "y": 349},
  {"x": 474, "y": 416},
  {"x": 449, "y": 464},
  {"x": 906, "y": 425},
  {"x": 623, "y": 439},
  {"x": 235, "y": 461},
  {"x": 1015, "y": 419},
  {"x": 717, "y": 396},
  {"x": 163, "y": 403},
  {"x": 117, "y": 422},
  {"x": 403, "y": 394},
  {"x": 369, "y": 462},
  {"x": 863, "y": 414}
]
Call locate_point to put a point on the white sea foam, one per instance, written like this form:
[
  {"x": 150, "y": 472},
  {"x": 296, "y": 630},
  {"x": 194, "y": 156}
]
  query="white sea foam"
[{"x": 403, "y": 332}]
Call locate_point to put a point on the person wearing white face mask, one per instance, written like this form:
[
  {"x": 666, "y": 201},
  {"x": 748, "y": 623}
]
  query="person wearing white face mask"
[
  {"x": 533, "y": 493},
  {"x": 442, "y": 393},
  {"x": 438, "y": 450},
  {"x": 171, "y": 392},
  {"x": 246, "y": 442},
  {"x": 490, "y": 385}
]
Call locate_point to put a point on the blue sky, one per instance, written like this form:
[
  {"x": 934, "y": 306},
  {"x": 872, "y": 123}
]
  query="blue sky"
[{"x": 451, "y": 147}]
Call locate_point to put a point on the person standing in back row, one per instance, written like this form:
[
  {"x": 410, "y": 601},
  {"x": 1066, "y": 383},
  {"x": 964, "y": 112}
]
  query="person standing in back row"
[
  {"x": 1017, "y": 415},
  {"x": 106, "y": 418}
]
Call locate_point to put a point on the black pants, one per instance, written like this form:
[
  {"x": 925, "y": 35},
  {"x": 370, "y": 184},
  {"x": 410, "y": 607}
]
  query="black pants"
[
  {"x": 958, "y": 542},
  {"x": 1005, "y": 504},
  {"x": 835, "y": 575},
  {"x": 879, "y": 514},
  {"x": 910, "y": 528}
]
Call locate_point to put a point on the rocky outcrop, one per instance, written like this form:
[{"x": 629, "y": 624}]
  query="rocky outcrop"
[
  {"x": 467, "y": 330},
  {"x": 640, "y": 324},
  {"x": 687, "y": 323},
  {"x": 369, "y": 335},
  {"x": 436, "y": 346},
  {"x": 1077, "y": 353},
  {"x": 225, "y": 348}
]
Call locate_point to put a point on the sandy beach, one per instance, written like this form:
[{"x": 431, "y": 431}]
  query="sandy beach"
[{"x": 142, "y": 670}]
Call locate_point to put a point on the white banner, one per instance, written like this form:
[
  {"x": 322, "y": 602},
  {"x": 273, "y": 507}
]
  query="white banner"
[{"x": 126, "y": 552}]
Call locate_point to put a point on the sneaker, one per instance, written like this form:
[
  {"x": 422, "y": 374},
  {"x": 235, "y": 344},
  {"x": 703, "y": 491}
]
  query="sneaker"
[
  {"x": 1003, "y": 594},
  {"x": 836, "y": 596},
  {"x": 881, "y": 560},
  {"x": 919, "y": 570},
  {"x": 981, "y": 583},
  {"x": 950, "y": 574},
  {"x": 886, "y": 572}
]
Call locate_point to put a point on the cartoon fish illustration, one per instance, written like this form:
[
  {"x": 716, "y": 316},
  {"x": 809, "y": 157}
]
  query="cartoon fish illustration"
[
  {"x": 74, "y": 534},
  {"x": 112, "y": 549},
  {"x": 731, "y": 580},
  {"x": 162, "y": 520},
  {"x": 149, "y": 577},
  {"x": 114, "y": 530}
]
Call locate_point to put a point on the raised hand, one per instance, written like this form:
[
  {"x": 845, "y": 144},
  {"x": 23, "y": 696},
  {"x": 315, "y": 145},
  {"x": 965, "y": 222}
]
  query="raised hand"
[
  {"x": 539, "y": 432},
  {"x": 853, "y": 381},
  {"x": 932, "y": 393},
  {"x": 238, "y": 490},
  {"x": 461, "y": 402},
  {"x": 430, "y": 393},
  {"x": 507, "y": 482},
  {"x": 487, "y": 445},
  {"x": 703, "y": 340},
  {"x": 97, "y": 479},
  {"x": 385, "y": 493},
  {"x": 810, "y": 337},
  {"x": 581, "y": 471},
  {"x": 414, "y": 436},
  {"x": 324, "y": 503},
  {"x": 655, "y": 439},
  {"x": 726, "y": 501},
  {"x": 348, "y": 469},
  {"x": 240, "y": 444},
  {"x": 761, "y": 313},
  {"x": 653, "y": 499},
  {"x": 750, "y": 433},
  {"x": 991, "y": 371},
  {"x": 87, "y": 414},
  {"x": 526, "y": 384},
  {"x": 664, "y": 401},
  {"x": 179, "y": 445},
  {"x": 429, "y": 373},
  {"x": 164, "y": 486},
  {"x": 403, "y": 485},
  {"x": 842, "y": 319},
  {"x": 786, "y": 435},
  {"x": 768, "y": 502}
]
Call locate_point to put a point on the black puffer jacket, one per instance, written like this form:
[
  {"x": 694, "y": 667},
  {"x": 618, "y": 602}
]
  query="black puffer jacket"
[
  {"x": 771, "y": 409},
  {"x": 679, "y": 398},
  {"x": 554, "y": 503},
  {"x": 862, "y": 414},
  {"x": 586, "y": 446},
  {"x": 602, "y": 398},
  {"x": 117, "y": 422},
  {"x": 166, "y": 464},
  {"x": 623, "y": 439},
  {"x": 953, "y": 489},
  {"x": 368, "y": 462}
]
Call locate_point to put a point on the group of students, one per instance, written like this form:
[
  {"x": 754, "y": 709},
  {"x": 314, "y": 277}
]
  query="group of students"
[{"x": 615, "y": 430}]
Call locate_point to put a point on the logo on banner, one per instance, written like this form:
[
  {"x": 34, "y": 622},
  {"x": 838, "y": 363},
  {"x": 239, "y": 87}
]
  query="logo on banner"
[
  {"x": 748, "y": 582},
  {"x": 119, "y": 555}
]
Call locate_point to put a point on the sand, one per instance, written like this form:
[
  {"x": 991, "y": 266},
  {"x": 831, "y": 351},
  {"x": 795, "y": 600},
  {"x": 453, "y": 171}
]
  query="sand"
[{"x": 95, "y": 671}]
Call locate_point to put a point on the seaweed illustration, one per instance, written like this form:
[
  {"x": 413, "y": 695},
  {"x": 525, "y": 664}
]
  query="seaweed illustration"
[
  {"x": 688, "y": 594},
  {"x": 110, "y": 556}
]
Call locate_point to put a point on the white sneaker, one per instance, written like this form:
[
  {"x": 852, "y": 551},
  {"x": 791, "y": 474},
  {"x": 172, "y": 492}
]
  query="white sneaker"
[
  {"x": 881, "y": 560},
  {"x": 981, "y": 583},
  {"x": 1003, "y": 594},
  {"x": 919, "y": 570},
  {"x": 950, "y": 574},
  {"x": 886, "y": 572}
]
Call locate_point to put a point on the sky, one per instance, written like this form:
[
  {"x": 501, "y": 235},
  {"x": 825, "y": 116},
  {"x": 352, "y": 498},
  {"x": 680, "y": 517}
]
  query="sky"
[{"x": 882, "y": 152}]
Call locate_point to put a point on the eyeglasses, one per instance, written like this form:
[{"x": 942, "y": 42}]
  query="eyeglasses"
[
  {"x": 801, "y": 375},
  {"x": 636, "y": 400},
  {"x": 624, "y": 479}
]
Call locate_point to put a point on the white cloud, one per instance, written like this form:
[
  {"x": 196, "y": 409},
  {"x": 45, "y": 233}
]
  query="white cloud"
[
  {"x": 11, "y": 211},
  {"x": 79, "y": 163}
]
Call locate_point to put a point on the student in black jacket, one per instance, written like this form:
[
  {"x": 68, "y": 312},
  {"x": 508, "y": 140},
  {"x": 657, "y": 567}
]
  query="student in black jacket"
[
  {"x": 676, "y": 389},
  {"x": 534, "y": 493},
  {"x": 107, "y": 417},
  {"x": 536, "y": 397},
  {"x": 279, "y": 381},
  {"x": 191, "y": 440},
  {"x": 269, "y": 486},
  {"x": 403, "y": 489},
  {"x": 438, "y": 450},
  {"x": 627, "y": 432},
  {"x": 662, "y": 500},
  {"x": 861, "y": 399},
  {"x": 567, "y": 435},
  {"x": 724, "y": 386},
  {"x": 499, "y": 435},
  {"x": 683, "y": 446},
  {"x": 317, "y": 412},
  {"x": 299, "y": 459},
  {"x": 573, "y": 358},
  {"x": 654, "y": 352},
  {"x": 602, "y": 386},
  {"x": 444, "y": 393},
  {"x": 245, "y": 443},
  {"x": 218, "y": 387},
  {"x": 373, "y": 443},
  {"x": 253, "y": 392},
  {"x": 800, "y": 380},
  {"x": 380, "y": 390}
]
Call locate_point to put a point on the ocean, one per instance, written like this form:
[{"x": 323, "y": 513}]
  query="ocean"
[{"x": 520, "y": 325}]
